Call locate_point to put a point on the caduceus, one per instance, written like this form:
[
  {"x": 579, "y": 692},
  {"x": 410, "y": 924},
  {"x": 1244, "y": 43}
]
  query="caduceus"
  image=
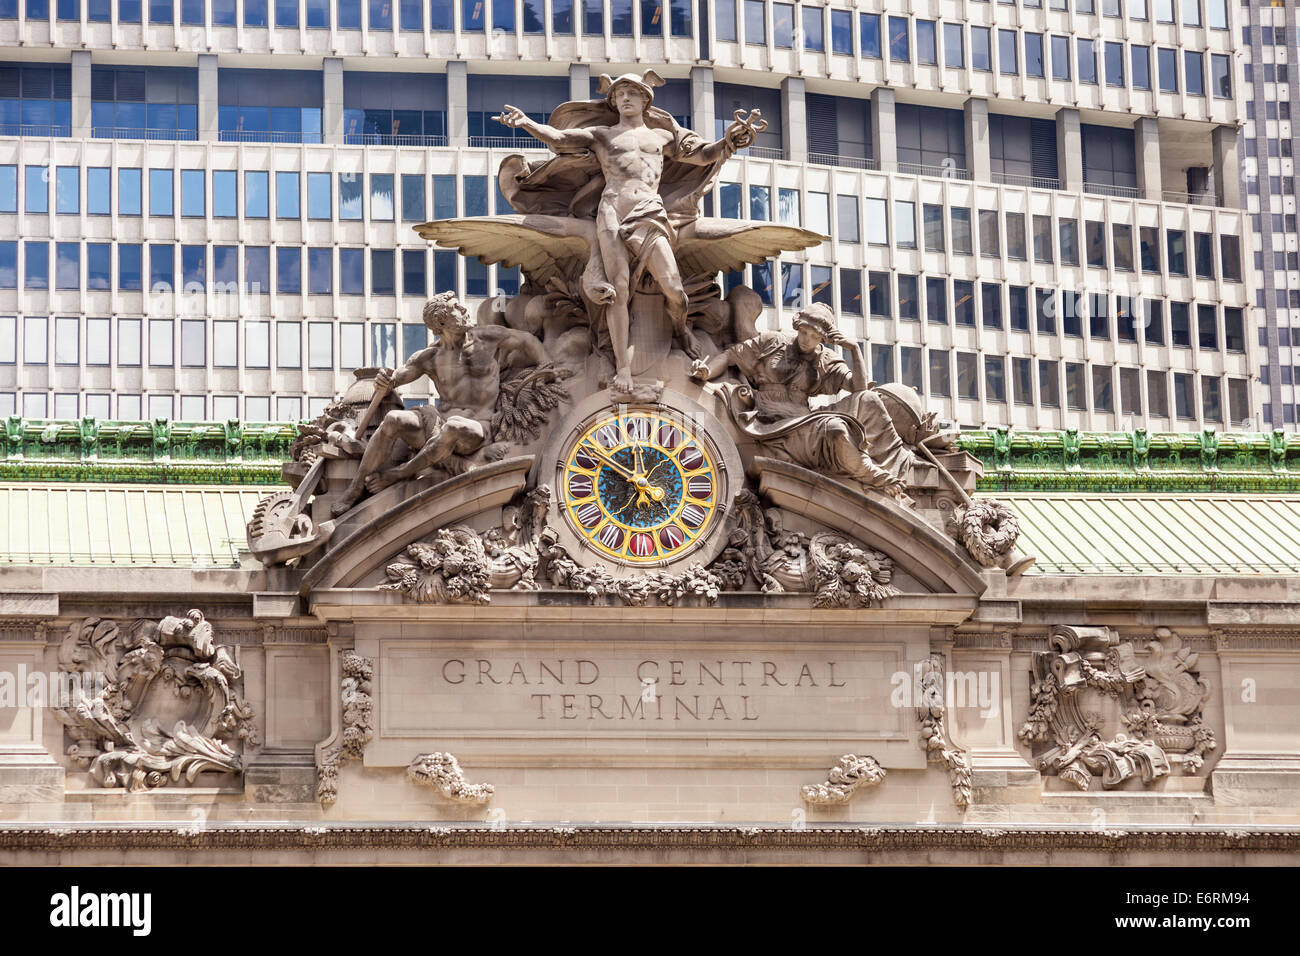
[{"x": 745, "y": 128}]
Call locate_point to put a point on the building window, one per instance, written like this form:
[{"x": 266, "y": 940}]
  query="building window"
[
  {"x": 1034, "y": 54},
  {"x": 898, "y": 46},
  {"x": 1087, "y": 62},
  {"x": 1167, "y": 61},
  {"x": 868, "y": 34},
  {"x": 288, "y": 195},
  {"x": 1184, "y": 397},
  {"x": 990, "y": 248},
  {"x": 1060, "y": 58},
  {"x": 981, "y": 55},
  {"x": 953, "y": 48},
  {"x": 1007, "y": 53},
  {"x": 926, "y": 44}
]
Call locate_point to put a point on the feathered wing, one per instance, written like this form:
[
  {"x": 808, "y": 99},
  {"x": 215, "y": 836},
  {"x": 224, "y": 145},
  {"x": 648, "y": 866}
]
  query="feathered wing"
[
  {"x": 710, "y": 246},
  {"x": 543, "y": 246}
]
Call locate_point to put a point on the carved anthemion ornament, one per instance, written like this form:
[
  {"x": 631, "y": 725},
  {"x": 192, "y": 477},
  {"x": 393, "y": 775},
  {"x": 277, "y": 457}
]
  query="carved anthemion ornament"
[
  {"x": 1159, "y": 709},
  {"x": 934, "y": 735},
  {"x": 844, "y": 780},
  {"x": 358, "y": 724},
  {"x": 441, "y": 772},
  {"x": 168, "y": 705}
]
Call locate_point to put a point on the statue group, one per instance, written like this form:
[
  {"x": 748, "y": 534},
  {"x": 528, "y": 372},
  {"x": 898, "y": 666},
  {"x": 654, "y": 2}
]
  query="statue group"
[{"x": 621, "y": 297}]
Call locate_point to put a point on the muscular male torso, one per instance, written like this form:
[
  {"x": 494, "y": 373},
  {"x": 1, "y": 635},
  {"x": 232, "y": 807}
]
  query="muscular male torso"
[{"x": 632, "y": 161}]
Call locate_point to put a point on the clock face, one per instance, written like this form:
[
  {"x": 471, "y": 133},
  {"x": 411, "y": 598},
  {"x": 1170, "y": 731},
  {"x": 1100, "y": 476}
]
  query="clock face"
[{"x": 640, "y": 485}]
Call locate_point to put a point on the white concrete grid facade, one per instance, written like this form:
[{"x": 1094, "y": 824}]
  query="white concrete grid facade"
[
  {"x": 1269, "y": 39},
  {"x": 958, "y": 271}
]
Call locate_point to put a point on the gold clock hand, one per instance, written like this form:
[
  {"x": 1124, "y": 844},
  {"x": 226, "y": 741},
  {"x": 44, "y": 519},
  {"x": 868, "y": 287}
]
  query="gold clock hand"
[{"x": 606, "y": 460}]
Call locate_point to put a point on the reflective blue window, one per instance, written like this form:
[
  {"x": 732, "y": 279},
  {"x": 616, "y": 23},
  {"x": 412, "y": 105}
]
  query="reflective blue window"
[
  {"x": 381, "y": 197},
  {"x": 869, "y": 35},
  {"x": 413, "y": 198},
  {"x": 503, "y": 15},
  {"x": 99, "y": 265},
  {"x": 444, "y": 271},
  {"x": 440, "y": 16},
  {"x": 533, "y": 15},
  {"x": 36, "y": 189},
  {"x": 349, "y": 14},
  {"x": 413, "y": 272},
  {"x": 288, "y": 196},
  {"x": 161, "y": 202},
  {"x": 444, "y": 197},
  {"x": 898, "y": 48},
  {"x": 193, "y": 12},
  {"x": 254, "y": 13},
  {"x": 130, "y": 266},
  {"x": 257, "y": 269},
  {"x": 160, "y": 11},
  {"x": 476, "y": 278},
  {"x": 67, "y": 265},
  {"x": 67, "y": 190},
  {"x": 783, "y": 25},
  {"x": 97, "y": 11},
  {"x": 69, "y": 10},
  {"x": 382, "y": 279},
  {"x": 476, "y": 195},
  {"x": 473, "y": 15},
  {"x": 286, "y": 13},
  {"x": 593, "y": 17},
  {"x": 351, "y": 196},
  {"x": 352, "y": 271},
  {"x": 680, "y": 17},
  {"x": 9, "y": 265},
  {"x": 288, "y": 270},
  {"x": 194, "y": 190},
  {"x": 410, "y": 15},
  {"x": 225, "y": 269},
  {"x": 99, "y": 191},
  {"x": 162, "y": 266},
  {"x": 319, "y": 203},
  {"x": 381, "y": 15},
  {"x": 256, "y": 194},
  {"x": 128, "y": 11},
  {"x": 320, "y": 271},
  {"x": 194, "y": 268},
  {"x": 223, "y": 13},
  {"x": 8, "y": 188},
  {"x": 225, "y": 194},
  {"x": 318, "y": 14},
  {"x": 38, "y": 9},
  {"x": 129, "y": 192}
]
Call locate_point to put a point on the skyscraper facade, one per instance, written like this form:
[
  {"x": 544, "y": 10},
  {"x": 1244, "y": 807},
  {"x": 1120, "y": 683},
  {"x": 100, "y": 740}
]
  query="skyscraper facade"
[
  {"x": 1033, "y": 209},
  {"x": 1269, "y": 39}
]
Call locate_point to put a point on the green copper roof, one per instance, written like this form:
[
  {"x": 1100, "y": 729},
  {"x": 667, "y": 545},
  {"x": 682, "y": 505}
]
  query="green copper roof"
[
  {"x": 163, "y": 452},
  {"x": 1159, "y": 533},
  {"x": 1137, "y": 461},
  {"x": 70, "y": 525}
]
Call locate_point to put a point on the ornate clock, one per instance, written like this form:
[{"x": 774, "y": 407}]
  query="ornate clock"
[{"x": 643, "y": 484}]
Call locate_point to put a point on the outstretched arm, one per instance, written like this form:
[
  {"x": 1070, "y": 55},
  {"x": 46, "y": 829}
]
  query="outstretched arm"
[
  {"x": 706, "y": 369},
  {"x": 739, "y": 135},
  {"x": 558, "y": 139}
]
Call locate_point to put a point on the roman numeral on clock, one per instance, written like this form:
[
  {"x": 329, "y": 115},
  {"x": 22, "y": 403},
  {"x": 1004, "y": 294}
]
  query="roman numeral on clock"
[
  {"x": 611, "y": 536},
  {"x": 588, "y": 514},
  {"x": 642, "y": 545},
  {"x": 672, "y": 537},
  {"x": 693, "y": 516},
  {"x": 609, "y": 436},
  {"x": 700, "y": 486},
  {"x": 580, "y": 486}
]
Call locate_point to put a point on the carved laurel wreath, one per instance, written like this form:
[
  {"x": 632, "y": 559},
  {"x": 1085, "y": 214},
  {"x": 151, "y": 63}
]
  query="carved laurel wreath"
[{"x": 989, "y": 529}]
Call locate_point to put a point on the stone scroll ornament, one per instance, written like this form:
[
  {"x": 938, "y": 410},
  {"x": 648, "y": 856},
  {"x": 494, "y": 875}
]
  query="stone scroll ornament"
[
  {"x": 1159, "y": 706},
  {"x": 441, "y": 772},
  {"x": 844, "y": 780},
  {"x": 168, "y": 706},
  {"x": 358, "y": 724}
]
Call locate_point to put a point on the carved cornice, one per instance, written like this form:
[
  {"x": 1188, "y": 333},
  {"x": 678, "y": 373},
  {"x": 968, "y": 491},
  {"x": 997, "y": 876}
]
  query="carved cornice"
[
  {"x": 579, "y": 838},
  {"x": 1255, "y": 639}
]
